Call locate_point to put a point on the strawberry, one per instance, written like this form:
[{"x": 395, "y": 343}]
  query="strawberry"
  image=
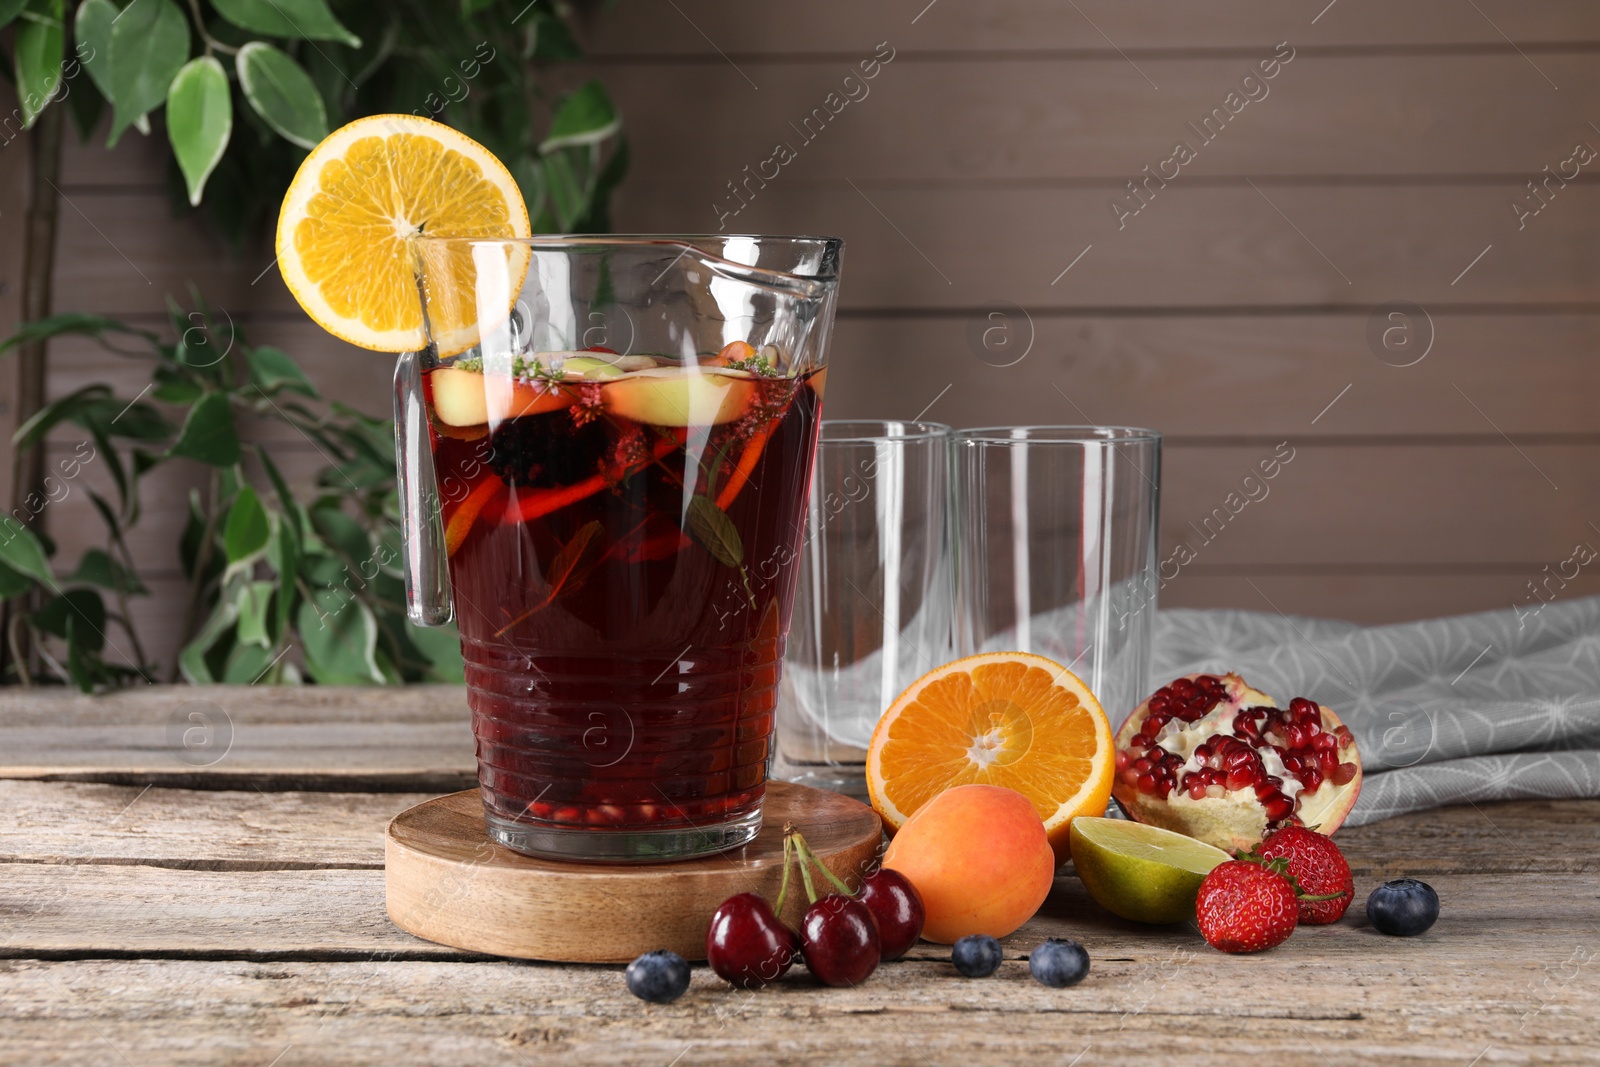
[
  {"x": 1317, "y": 867},
  {"x": 1246, "y": 907}
]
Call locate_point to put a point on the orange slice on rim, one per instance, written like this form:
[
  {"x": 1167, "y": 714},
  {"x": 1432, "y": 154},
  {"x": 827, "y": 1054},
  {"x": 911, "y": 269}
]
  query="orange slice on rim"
[
  {"x": 343, "y": 231},
  {"x": 1010, "y": 719}
]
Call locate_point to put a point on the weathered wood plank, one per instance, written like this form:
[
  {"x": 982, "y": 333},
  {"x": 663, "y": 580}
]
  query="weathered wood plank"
[
  {"x": 407, "y": 739},
  {"x": 960, "y": 121},
  {"x": 50, "y": 823},
  {"x": 1447, "y": 999},
  {"x": 1171, "y": 372},
  {"x": 84, "y": 911},
  {"x": 1192, "y": 246},
  {"x": 655, "y": 29},
  {"x": 1097, "y": 119},
  {"x": 263, "y": 987},
  {"x": 237, "y": 830}
]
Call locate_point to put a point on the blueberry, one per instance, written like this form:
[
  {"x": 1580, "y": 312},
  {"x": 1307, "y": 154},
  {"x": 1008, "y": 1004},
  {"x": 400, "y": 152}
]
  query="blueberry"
[
  {"x": 1059, "y": 963},
  {"x": 976, "y": 956},
  {"x": 659, "y": 977},
  {"x": 1404, "y": 907}
]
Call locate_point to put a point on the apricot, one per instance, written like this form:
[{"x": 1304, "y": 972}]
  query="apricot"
[{"x": 979, "y": 856}]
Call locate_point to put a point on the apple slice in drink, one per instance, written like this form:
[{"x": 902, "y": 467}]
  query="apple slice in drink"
[
  {"x": 467, "y": 398},
  {"x": 680, "y": 396}
]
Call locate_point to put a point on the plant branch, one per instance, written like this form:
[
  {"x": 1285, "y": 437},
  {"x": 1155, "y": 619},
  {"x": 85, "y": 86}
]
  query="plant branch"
[
  {"x": 202, "y": 560},
  {"x": 205, "y": 35},
  {"x": 38, "y": 267},
  {"x": 14, "y": 641}
]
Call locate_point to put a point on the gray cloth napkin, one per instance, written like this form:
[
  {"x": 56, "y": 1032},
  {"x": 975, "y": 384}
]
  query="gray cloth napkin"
[{"x": 1504, "y": 705}]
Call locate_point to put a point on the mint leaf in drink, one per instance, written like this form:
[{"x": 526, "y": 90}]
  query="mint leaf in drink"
[
  {"x": 710, "y": 525},
  {"x": 564, "y": 575}
]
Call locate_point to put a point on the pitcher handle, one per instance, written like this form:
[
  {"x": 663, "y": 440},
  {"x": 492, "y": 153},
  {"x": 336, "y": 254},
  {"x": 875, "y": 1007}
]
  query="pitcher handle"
[{"x": 421, "y": 527}]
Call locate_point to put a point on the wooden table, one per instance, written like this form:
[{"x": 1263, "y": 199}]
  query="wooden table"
[{"x": 164, "y": 904}]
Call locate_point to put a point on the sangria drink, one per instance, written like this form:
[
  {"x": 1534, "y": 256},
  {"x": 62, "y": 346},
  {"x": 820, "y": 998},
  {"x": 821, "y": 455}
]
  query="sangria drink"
[{"x": 622, "y": 530}]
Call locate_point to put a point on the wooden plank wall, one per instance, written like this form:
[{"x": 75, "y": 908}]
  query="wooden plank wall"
[{"x": 973, "y": 176}]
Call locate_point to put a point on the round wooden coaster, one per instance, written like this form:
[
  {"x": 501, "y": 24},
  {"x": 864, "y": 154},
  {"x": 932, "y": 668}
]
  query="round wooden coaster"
[{"x": 447, "y": 882}]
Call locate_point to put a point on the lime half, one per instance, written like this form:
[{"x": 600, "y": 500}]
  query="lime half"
[{"x": 1140, "y": 872}]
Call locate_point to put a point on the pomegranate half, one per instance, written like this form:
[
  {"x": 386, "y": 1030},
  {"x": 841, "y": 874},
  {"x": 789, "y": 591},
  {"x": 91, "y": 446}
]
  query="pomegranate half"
[{"x": 1214, "y": 759}]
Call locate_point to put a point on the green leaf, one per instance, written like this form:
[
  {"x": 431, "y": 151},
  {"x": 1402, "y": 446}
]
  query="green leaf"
[
  {"x": 208, "y": 433},
  {"x": 92, "y": 30},
  {"x": 88, "y": 108},
  {"x": 13, "y": 584},
  {"x": 96, "y": 326},
  {"x": 282, "y": 93},
  {"x": 21, "y": 551},
  {"x": 70, "y": 408},
  {"x": 710, "y": 525},
  {"x": 284, "y": 555},
  {"x": 9, "y": 10},
  {"x": 554, "y": 40},
  {"x": 272, "y": 371},
  {"x": 441, "y": 645},
  {"x": 246, "y": 663},
  {"x": 199, "y": 120},
  {"x": 253, "y": 605},
  {"x": 340, "y": 638},
  {"x": 192, "y": 660},
  {"x": 472, "y": 7},
  {"x": 344, "y": 534},
  {"x": 82, "y": 606},
  {"x": 41, "y": 50},
  {"x": 97, "y": 567},
  {"x": 149, "y": 45},
  {"x": 172, "y": 387},
  {"x": 308, "y": 19},
  {"x": 247, "y": 530},
  {"x": 586, "y": 117},
  {"x": 81, "y": 657}
]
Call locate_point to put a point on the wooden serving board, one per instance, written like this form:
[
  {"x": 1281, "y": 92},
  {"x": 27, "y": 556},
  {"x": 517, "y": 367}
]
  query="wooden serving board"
[{"x": 447, "y": 882}]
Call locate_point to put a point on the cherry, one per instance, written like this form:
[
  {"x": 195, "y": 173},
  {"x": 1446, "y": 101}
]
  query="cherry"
[
  {"x": 747, "y": 944},
  {"x": 839, "y": 939},
  {"x": 897, "y": 906}
]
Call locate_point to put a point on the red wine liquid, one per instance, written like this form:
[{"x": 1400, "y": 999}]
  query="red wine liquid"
[{"x": 623, "y": 593}]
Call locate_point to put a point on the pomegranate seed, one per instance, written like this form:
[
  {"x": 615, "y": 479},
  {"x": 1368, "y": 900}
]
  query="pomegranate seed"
[
  {"x": 1130, "y": 776},
  {"x": 1325, "y": 742},
  {"x": 1345, "y": 736},
  {"x": 1122, "y": 761},
  {"x": 1197, "y": 788},
  {"x": 1202, "y": 752},
  {"x": 1343, "y": 774},
  {"x": 1311, "y": 779},
  {"x": 1146, "y": 784},
  {"x": 1142, "y": 764},
  {"x": 1238, "y": 779},
  {"x": 1278, "y": 807}
]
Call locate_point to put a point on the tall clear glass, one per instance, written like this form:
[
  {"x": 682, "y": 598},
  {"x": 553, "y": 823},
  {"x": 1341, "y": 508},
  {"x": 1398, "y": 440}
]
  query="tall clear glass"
[
  {"x": 606, "y": 453},
  {"x": 872, "y": 613},
  {"x": 1056, "y": 550}
]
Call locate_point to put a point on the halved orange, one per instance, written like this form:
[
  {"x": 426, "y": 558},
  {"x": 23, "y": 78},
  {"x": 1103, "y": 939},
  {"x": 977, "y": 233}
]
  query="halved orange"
[
  {"x": 1010, "y": 719},
  {"x": 344, "y": 228}
]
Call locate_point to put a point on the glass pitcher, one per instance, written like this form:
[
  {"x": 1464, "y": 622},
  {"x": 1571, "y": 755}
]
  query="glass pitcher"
[{"x": 605, "y": 453}]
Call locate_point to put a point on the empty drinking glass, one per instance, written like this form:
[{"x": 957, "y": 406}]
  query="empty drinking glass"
[
  {"x": 872, "y": 608},
  {"x": 1056, "y": 550}
]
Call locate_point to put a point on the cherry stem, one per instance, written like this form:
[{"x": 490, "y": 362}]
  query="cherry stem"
[
  {"x": 783, "y": 886},
  {"x": 805, "y": 876},
  {"x": 806, "y": 854}
]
